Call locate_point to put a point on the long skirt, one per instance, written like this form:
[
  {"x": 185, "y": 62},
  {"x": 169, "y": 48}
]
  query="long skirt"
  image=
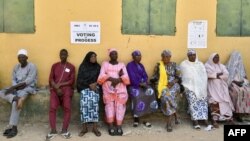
[
  {"x": 168, "y": 101},
  {"x": 240, "y": 97},
  {"x": 198, "y": 107},
  {"x": 143, "y": 101},
  {"x": 89, "y": 106}
]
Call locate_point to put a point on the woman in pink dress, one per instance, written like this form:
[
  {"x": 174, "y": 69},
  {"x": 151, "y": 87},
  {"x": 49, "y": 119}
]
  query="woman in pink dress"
[
  {"x": 114, "y": 78},
  {"x": 219, "y": 100}
]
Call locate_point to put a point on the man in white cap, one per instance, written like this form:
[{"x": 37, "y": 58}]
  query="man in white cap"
[{"x": 24, "y": 78}]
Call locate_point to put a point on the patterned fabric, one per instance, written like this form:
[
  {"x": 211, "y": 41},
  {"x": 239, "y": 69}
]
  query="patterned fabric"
[
  {"x": 240, "y": 97},
  {"x": 143, "y": 101},
  {"x": 114, "y": 98},
  {"x": 236, "y": 68},
  {"x": 198, "y": 107},
  {"x": 168, "y": 102},
  {"x": 89, "y": 107}
]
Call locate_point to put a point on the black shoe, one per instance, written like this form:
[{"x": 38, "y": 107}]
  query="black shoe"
[
  {"x": 111, "y": 131},
  {"x": 6, "y": 132},
  {"x": 12, "y": 133},
  {"x": 119, "y": 132}
]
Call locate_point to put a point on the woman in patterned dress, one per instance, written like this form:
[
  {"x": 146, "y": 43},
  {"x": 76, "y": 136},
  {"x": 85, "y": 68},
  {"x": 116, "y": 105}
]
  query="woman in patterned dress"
[
  {"x": 194, "y": 79},
  {"x": 141, "y": 94},
  {"x": 239, "y": 88},
  {"x": 89, "y": 90},
  {"x": 166, "y": 78}
]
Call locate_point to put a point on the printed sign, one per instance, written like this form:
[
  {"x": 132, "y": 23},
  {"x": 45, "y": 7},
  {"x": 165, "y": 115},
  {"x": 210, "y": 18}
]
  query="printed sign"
[
  {"x": 197, "y": 34},
  {"x": 85, "y": 32}
]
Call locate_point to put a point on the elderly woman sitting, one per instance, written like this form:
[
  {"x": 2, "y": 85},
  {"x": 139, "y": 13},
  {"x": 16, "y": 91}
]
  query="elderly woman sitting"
[
  {"x": 219, "y": 100},
  {"x": 166, "y": 78},
  {"x": 194, "y": 79},
  {"x": 239, "y": 88}
]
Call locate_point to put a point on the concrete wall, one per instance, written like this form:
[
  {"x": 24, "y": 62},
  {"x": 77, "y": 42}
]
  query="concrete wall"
[
  {"x": 36, "y": 109},
  {"x": 52, "y": 20}
]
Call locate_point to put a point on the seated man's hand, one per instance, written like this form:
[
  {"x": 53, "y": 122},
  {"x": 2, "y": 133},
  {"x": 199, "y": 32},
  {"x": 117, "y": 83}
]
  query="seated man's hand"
[
  {"x": 59, "y": 92},
  {"x": 10, "y": 90}
]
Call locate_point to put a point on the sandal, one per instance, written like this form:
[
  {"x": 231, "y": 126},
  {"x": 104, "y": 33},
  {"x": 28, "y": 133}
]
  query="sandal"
[
  {"x": 135, "y": 124},
  {"x": 209, "y": 128},
  {"x": 97, "y": 132},
  {"x": 50, "y": 136},
  {"x": 83, "y": 132},
  {"x": 119, "y": 131},
  {"x": 12, "y": 133},
  {"x": 6, "y": 132},
  {"x": 66, "y": 135},
  {"x": 111, "y": 132},
  {"x": 169, "y": 128},
  {"x": 197, "y": 127},
  {"x": 147, "y": 124}
]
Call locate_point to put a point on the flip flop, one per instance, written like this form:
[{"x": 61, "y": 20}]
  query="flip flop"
[
  {"x": 82, "y": 133},
  {"x": 147, "y": 124},
  {"x": 209, "y": 128},
  {"x": 96, "y": 132},
  {"x": 197, "y": 127}
]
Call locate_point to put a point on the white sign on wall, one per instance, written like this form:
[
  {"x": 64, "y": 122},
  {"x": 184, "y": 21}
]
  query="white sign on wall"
[
  {"x": 85, "y": 32},
  {"x": 197, "y": 34}
]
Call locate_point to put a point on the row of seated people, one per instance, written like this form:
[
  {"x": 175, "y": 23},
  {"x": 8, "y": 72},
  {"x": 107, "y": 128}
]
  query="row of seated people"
[{"x": 222, "y": 89}]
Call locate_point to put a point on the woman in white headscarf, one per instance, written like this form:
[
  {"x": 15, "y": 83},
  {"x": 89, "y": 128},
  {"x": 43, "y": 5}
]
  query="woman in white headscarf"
[
  {"x": 219, "y": 101},
  {"x": 239, "y": 88},
  {"x": 194, "y": 79}
]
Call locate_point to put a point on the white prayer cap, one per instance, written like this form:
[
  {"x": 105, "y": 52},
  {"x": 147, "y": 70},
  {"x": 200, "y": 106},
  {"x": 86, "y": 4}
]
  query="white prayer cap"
[{"x": 23, "y": 52}]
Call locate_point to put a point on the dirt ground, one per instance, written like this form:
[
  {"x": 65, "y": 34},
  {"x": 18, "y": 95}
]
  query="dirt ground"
[{"x": 181, "y": 132}]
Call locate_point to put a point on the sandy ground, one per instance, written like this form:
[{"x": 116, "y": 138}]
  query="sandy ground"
[{"x": 181, "y": 132}]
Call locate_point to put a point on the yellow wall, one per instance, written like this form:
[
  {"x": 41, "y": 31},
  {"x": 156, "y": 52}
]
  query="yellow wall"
[{"x": 53, "y": 17}]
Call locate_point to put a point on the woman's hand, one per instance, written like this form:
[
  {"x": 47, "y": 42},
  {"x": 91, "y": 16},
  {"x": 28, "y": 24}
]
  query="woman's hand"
[
  {"x": 93, "y": 86},
  {"x": 218, "y": 75}
]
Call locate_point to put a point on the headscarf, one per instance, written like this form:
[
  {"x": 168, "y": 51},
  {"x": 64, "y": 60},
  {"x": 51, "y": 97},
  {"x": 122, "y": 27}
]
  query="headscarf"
[
  {"x": 23, "y": 52},
  {"x": 191, "y": 51},
  {"x": 111, "y": 50},
  {"x": 210, "y": 59},
  {"x": 211, "y": 66},
  {"x": 194, "y": 77},
  {"x": 86, "y": 60},
  {"x": 136, "y": 53},
  {"x": 166, "y": 53},
  {"x": 235, "y": 67},
  {"x": 88, "y": 72}
]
